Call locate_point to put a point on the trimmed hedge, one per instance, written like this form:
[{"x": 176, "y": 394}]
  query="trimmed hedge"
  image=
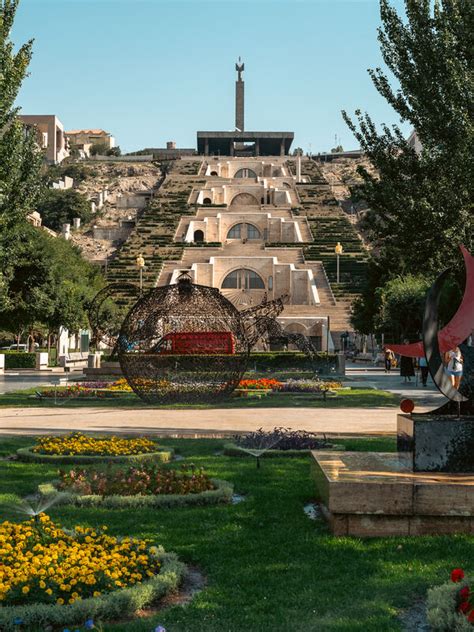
[
  {"x": 232, "y": 449},
  {"x": 291, "y": 360},
  {"x": 19, "y": 360},
  {"x": 441, "y": 608},
  {"x": 222, "y": 494},
  {"x": 27, "y": 454},
  {"x": 115, "y": 605}
]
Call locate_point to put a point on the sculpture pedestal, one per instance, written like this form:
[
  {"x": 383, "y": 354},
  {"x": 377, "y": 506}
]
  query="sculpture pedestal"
[
  {"x": 368, "y": 494},
  {"x": 437, "y": 443}
]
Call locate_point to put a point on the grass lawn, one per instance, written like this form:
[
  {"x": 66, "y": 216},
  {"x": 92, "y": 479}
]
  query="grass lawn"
[
  {"x": 350, "y": 398},
  {"x": 269, "y": 568}
]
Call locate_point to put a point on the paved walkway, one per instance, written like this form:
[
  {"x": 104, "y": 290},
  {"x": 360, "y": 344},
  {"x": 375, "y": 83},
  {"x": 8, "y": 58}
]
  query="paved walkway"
[{"x": 345, "y": 421}]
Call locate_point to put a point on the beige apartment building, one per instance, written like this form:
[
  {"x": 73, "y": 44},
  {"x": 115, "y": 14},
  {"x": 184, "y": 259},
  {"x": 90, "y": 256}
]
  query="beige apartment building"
[
  {"x": 51, "y": 136},
  {"x": 83, "y": 139}
]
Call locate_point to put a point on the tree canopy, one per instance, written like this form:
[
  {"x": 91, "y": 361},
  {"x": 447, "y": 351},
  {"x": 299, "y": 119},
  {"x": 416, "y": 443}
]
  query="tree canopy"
[
  {"x": 20, "y": 156},
  {"x": 420, "y": 203},
  {"x": 59, "y": 206},
  {"x": 51, "y": 286}
]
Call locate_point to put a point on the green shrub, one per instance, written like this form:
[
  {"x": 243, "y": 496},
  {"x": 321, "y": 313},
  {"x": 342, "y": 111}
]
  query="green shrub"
[
  {"x": 59, "y": 206},
  {"x": 27, "y": 454},
  {"x": 267, "y": 360},
  {"x": 441, "y": 607},
  {"x": 221, "y": 494},
  {"x": 19, "y": 360}
]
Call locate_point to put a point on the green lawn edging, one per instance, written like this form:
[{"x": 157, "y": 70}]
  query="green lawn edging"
[
  {"x": 232, "y": 449},
  {"x": 117, "y": 604},
  {"x": 27, "y": 454},
  {"x": 222, "y": 494}
]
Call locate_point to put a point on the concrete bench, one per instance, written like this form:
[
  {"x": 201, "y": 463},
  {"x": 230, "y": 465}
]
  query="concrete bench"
[{"x": 73, "y": 359}]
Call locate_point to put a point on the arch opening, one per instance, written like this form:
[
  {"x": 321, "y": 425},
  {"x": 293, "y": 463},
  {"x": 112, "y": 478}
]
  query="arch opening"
[
  {"x": 243, "y": 279},
  {"x": 245, "y": 173}
]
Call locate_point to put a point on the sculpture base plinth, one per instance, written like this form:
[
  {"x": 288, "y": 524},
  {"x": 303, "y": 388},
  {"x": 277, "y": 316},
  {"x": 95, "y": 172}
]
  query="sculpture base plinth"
[
  {"x": 438, "y": 443},
  {"x": 366, "y": 494}
]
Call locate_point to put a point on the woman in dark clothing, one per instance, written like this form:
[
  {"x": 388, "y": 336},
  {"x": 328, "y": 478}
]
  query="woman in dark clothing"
[{"x": 407, "y": 366}]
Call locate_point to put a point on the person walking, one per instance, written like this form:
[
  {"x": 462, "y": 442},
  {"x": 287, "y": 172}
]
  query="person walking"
[
  {"x": 389, "y": 357},
  {"x": 407, "y": 366},
  {"x": 454, "y": 366},
  {"x": 423, "y": 364}
]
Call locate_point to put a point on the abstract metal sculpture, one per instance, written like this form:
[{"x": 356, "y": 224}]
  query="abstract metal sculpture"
[
  {"x": 183, "y": 343},
  {"x": 443, "y": 440},
  {"x": 452, "y": 335}
]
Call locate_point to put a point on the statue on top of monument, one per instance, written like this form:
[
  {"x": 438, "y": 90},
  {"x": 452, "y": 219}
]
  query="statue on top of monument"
[{"x": 240, "y": 67}]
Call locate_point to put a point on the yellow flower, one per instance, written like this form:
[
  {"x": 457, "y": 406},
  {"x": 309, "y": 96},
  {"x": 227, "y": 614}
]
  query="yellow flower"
[{"x": 25, "y": 590}]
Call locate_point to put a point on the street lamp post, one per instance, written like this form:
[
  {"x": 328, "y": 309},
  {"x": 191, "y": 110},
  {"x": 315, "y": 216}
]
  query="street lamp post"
[
  {"x": 140, "y": 266},
  {"x": 338, "y": 250}
]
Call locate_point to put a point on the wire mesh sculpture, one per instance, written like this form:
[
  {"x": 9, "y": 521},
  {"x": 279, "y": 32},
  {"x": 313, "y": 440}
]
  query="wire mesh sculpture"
[
  {"x": 183, "y": 343},
  {"x": 261, "y": 324}
]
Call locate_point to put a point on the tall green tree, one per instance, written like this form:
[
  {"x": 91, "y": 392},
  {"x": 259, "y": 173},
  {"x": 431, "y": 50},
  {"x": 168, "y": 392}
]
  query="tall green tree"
[
  {"x": 59, "y": 206},
  {"x": 421, "y": 204},
  {"x": 20, "y": 157},
  {"x": 51, "y": 287}
]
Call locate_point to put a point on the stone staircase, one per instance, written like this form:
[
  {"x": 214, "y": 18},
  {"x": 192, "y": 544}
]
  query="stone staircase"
[
  {"x": 330, "y": 224},
  {"x": 156, "y": 226}
]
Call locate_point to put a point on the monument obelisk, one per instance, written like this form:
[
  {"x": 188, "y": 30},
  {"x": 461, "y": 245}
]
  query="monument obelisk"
[{"x": 239, "y": 97}]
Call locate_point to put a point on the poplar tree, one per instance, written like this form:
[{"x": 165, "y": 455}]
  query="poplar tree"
[
  {"x": 421, "y": 204},
  {"x": 20, "y": 157}
]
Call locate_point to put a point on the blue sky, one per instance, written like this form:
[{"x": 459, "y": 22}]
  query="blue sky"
[{"x": 150, "y": 71}]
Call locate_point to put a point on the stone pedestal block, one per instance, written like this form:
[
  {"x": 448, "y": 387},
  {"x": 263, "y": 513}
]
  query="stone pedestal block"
[
  {"x": 367, "y": 494},
  {"x": 437, "y": 443}
]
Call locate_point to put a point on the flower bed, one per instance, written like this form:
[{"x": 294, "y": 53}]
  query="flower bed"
[
  {"x": 450, "y": 607},
  {"x": 87, "y": 390},
  {"x": 260, "y": 384},
  {"x": 278, "y": 442},
  {"x": 50, "y": 576},
  {"x": 147, "y": 485},
  {"x": 309, "y": 386},
  {"x": 80, "y": 448}
]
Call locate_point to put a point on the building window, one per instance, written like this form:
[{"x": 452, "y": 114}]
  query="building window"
[
  {"x": 235, "y": 232},
  {"x": 198, "y": 236},
  {"x": 213, "y": 173},
  {"x": 270, "y": 282},
  {"x": 207, "y": 200},
  {"x": 243, "y": 279},
  {"x": 238, "y": 232},
  {"x": 252, "y": 232},
  {"x": 245, "y": 173}
]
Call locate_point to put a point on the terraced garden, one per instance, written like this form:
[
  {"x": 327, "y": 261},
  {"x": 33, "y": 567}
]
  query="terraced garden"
[
  {"x": 330, "y": 224},
  {"x": 153, "y": 236}
]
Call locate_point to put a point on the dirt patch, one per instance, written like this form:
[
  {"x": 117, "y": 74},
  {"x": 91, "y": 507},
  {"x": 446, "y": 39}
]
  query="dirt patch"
[
  {"x": 414, "y": 619},
  {"x": 194, "y": 582}
]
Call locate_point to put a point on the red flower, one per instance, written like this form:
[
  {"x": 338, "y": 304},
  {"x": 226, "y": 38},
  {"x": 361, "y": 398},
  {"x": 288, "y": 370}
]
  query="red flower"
[
  {"x": 457, "y": 574},
  {"x": 465, "y": 607},
  {"x": 464, "y": 593},
  {"x": 470, "y": 617}
]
